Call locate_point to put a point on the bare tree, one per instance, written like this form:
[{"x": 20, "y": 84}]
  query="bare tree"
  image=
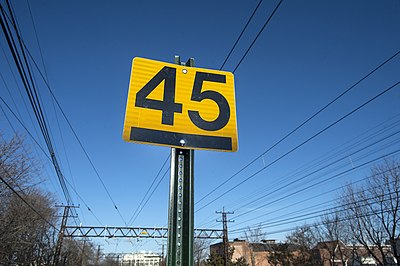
[
  {"x": 26, "y": 234},
  {"x": 200, "y": 250},
  {"x": 27, "y": 238},
  {"x": 301, "y": 241},
  {"x": 78, "y": 252},
  {"x": 254, "y": 235},
  {"x": 372, "y": 211},
  {"x": 332, "y": 235},
  {"x": 280, "y": 255},
  {"x": 17, "y": 167}
]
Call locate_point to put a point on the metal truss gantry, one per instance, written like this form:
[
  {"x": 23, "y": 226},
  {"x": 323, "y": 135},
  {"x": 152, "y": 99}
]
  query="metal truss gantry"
[{"x": 134, "y": 232}]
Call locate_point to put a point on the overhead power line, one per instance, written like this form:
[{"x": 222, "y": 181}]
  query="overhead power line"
[
  {"x": 45, "y": 154},
  {"x": 240, "y": 35},
  {"x": 286, "y": 215},
  {"x": 47, "y": 78},
  {"x": 23, "y": 46},
  {"x": 319, "y": 182},
  {"x": 302, "y": 219},
  {"x": 315, "y": 214},
  {"x": 155, "y": 188},
  {"x": 258, "y": 35},
  {"x": 300, "y": 125},
  {"x": 30, "y": 88},
  {"x": 324, "y": 176},
  {"x": 368, "y": 214},
  {"x": 26, "y": 129},
  {"x": 304, "y": 142},
  {"x": 140, "y": 206},
  {"x": 344, "y": 150},
  {"x": 283, "y": 186},
  {"x": 76, "y": 137},
  {"x": 26, "y": 202}
]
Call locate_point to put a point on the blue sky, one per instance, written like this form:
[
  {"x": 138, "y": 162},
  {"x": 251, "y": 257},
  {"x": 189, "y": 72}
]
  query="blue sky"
[{"x": 309, "y": 53}]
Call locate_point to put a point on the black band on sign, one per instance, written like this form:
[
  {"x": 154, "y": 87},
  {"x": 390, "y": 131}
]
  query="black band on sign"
[{"x": 173, "y": 139}]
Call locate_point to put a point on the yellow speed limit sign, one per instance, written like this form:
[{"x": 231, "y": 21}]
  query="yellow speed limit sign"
[{"x": 180, "y": 106}]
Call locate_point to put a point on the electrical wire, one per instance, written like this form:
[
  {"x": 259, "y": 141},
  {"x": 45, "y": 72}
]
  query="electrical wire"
[
  {"x": 32, "y": 95},
  {"x": 155, "y": 188},
  {"x": 375, "y": 131},
  {"x": 78, "y": 139},
  {"x": 240, "y": 35},
  {"x": 27, "y": 78},
  {"x": 258, "y": 35},
  {"x": 283, "y": 196},
  {"x": 301, "y": 124},
  {"x": 20, "y": 93},
  {"x": 316, "y": 214},
  {"x": 328, "y": 202},
  {"x": 243, "y": 230},
  {"x": 304, "y": 142},
  {"x": 72, "y": 129},
  {"x": 26, "y": 202},
  {"x": 45, "y": 154},
  {"x": 148, "y": 190},
  {"x": 246, "y": 204},
  {"x": 47, "y": 78},
  {"x": 332, "y": 177},
  {"x": 286, "y": 185}
]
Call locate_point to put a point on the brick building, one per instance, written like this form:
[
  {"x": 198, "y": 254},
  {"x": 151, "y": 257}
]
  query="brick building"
[
  {"x": 253, "y": 253},
  {"x": 329, "y": 253}
]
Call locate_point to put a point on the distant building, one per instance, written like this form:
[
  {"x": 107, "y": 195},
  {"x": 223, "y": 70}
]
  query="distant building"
[
  {"x": 251, "y": 252},
  {"x": 333, "y": 253},
  {"x": 329, "y": 253},
  {"x": 141, "y": 259},
  {"x": 338, "y": 254}
]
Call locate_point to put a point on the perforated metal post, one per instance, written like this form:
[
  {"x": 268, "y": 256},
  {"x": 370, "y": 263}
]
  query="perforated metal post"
[{"x": 181, "y": 204}]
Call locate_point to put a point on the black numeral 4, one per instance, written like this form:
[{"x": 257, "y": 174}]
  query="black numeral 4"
[{"x": 168, "y": 106}]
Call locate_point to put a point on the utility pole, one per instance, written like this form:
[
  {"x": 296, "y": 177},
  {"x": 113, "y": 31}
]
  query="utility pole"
[
  {"x": 61, "y": 232},
  {"x": 162, "y": 256},
  {"x": 225, "y": 222}
]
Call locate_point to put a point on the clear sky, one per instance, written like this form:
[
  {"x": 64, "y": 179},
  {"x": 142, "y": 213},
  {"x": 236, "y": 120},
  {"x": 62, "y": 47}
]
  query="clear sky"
[{"x": 308, "y": 54}]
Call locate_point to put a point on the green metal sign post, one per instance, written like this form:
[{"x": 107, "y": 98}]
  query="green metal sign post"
[
  {"x": 181, "y": 203},
  {"x": 193, "y": 93}
]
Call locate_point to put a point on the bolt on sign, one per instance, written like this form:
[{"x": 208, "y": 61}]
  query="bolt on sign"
[{"x": 180, "y": 106}]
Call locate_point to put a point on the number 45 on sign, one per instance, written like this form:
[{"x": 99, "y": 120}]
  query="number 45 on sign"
[{"x": 180, "y": 106}]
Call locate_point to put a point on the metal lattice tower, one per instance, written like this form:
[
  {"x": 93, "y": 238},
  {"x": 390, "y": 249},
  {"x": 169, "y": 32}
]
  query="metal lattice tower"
[{"x": 225, "y": 233}]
